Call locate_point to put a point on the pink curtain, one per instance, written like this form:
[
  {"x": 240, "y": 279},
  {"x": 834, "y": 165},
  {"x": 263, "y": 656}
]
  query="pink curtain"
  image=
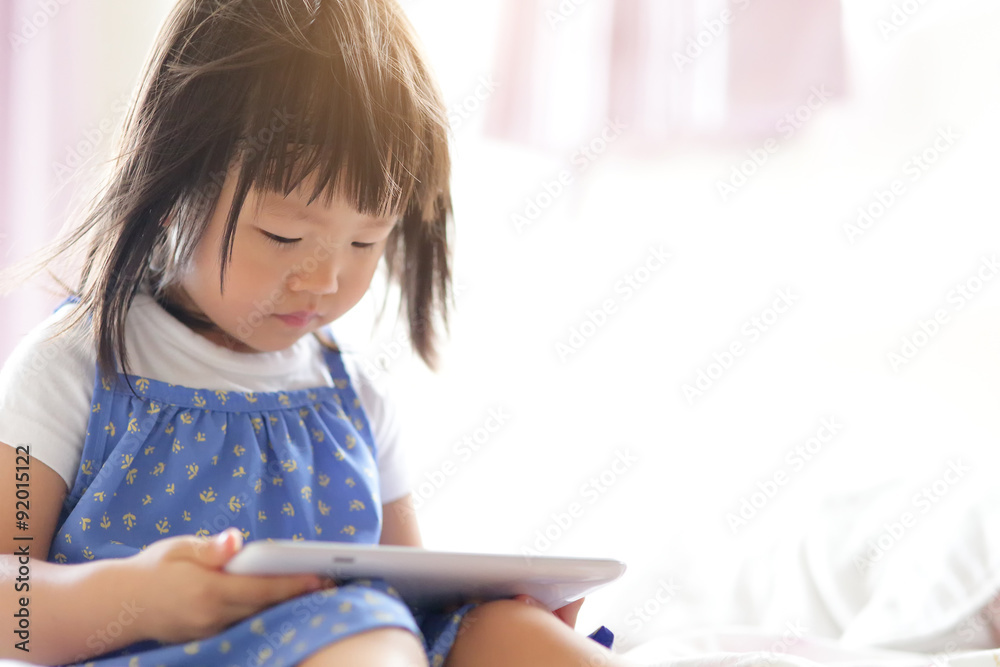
[
  {"x": 5, "y": 104},
  {"x": 48, "y": 103},
  {"x": 780, "y": 54},
  {"x": 672, "y": 70}
]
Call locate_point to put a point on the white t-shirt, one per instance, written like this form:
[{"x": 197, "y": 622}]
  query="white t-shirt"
[{"x": 46, "y": 386}]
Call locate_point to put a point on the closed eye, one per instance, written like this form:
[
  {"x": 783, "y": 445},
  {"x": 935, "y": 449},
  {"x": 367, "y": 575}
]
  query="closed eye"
[
  {"x": 363, "y": 246},
  {"x": 280, "y": 240}
]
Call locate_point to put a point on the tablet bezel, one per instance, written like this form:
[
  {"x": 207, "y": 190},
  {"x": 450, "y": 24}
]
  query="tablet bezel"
[{"x": 434, "y": 579}]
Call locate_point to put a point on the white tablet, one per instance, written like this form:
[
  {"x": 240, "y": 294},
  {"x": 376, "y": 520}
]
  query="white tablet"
[{"x": 434, "y": 579}]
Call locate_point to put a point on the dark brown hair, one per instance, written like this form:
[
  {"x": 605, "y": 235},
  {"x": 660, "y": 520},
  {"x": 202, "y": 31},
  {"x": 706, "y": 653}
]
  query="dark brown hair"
[{"x": 279, "y": 90}]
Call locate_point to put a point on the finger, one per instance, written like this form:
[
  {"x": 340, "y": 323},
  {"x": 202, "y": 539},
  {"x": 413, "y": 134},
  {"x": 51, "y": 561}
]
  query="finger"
[
  {"x": 212, "y": 553},
  {"x": 570, "y": 612},
  {"x": 216, "y": 551},
  {"x": 531, "y": 602},
  {"x": 260, "y": 592},
  {"x": 240, "y": 609}
]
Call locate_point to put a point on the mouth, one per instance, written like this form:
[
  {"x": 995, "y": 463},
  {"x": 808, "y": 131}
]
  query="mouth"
[{"x": 299, "y": 319}]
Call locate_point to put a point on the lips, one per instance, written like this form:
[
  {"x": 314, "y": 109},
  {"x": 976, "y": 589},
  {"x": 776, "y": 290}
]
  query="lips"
[{"x": 298, "y": 319}]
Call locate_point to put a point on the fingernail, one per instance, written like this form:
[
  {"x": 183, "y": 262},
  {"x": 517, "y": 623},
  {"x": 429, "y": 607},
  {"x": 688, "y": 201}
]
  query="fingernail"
[{"x": 237, "y": 537}]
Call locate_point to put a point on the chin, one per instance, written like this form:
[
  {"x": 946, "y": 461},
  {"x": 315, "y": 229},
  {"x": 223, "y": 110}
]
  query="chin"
[
  {"x": 271, "y": 342},
  {"x": 252, "y": 342}
]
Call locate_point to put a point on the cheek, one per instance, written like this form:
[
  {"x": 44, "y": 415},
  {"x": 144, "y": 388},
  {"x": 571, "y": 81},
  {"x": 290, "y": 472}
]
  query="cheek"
[
  {"x": 251, "y": 275},
  {"x": 202, "y": 276},
  {"x": 254, "y": 266},
  {"x": 364, "y": 273}
]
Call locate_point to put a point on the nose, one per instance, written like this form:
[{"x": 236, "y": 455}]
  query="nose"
[{"x": 317, "y": 275}]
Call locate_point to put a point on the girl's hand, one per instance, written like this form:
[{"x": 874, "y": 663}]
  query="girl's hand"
[
  {"x": 184, "y": 595},
  {"x": 568, "y": 613}
]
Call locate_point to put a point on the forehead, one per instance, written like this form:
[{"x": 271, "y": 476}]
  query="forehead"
[{"x": 336, "y": 206}]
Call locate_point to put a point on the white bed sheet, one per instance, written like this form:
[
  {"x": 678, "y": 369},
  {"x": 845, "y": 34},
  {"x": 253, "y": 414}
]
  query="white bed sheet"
[
  {"x": 749, "y": 648},
  {"x": 863, "y": 588}
]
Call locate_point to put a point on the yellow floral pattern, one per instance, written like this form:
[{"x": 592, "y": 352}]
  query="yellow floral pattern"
[{"x": 287, "y": 465}]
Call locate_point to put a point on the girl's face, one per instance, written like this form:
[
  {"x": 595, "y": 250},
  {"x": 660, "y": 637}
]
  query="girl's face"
[{"x": 295, "y": 267}]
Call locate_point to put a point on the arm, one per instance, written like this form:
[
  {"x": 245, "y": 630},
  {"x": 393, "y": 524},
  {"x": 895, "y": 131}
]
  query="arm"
[
  {"x": 68, "y": 606},
  {"x": 74, "y": 609},
  {"x": 399, "y": 523},
  {"x": 172, "y": 591}
]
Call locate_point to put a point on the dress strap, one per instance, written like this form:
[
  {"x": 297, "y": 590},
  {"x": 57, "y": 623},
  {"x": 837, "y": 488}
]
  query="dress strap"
[
  {"x": 342, "y": 381},
  {"x": 72, "y": 298}
]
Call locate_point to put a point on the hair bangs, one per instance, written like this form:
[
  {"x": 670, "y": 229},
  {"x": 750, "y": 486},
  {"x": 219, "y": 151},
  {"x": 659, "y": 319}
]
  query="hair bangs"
[{"x": 356, "y": 117}]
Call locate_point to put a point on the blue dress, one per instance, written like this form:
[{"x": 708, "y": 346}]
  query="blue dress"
[{"x": 170, "y": 460}]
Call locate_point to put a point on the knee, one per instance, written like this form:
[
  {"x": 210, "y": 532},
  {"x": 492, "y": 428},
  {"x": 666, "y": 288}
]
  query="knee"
[
  {"x": 506, "y": 616},
  {"x": 385, "y": 647},
  {"x": 508, "y": 632}
]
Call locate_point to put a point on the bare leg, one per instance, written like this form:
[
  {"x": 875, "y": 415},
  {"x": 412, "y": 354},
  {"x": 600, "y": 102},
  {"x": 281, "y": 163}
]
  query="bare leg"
[
  {"x": 507, "y": 633},
  {"x": 385, "y": 647}
]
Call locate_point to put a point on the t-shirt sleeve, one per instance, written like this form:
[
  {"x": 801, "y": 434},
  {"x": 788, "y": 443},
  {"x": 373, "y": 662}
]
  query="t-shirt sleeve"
[
  {"x": 388, "y": 433},
  {"x": 46, "y": 387}
]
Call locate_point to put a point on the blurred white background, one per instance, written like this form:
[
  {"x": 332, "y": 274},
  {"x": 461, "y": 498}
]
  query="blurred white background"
[{"x": 692, "y": 460}]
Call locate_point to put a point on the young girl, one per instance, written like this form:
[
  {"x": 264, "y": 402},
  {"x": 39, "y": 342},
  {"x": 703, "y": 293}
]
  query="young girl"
[{"x": 189, "y": 395}]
